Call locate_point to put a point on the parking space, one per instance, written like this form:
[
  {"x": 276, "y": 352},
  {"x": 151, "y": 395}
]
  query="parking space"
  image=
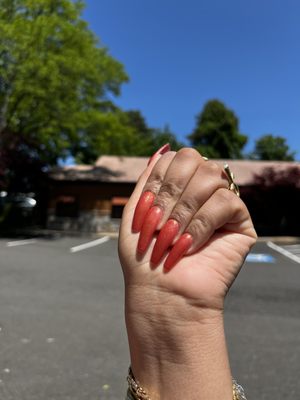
[
  {"x": 61, "y": 316},
  {"x": 291, "y": 251},
  {"x": 62, "y": 332},
  {"x": 56, "y": 245}
]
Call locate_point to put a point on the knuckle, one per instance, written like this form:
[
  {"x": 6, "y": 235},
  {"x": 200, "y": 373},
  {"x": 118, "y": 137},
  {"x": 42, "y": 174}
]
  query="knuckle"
[
  {"x": 254, "y": 236},
  {"x": 200, "y": 224},
  {"x": 188, "y": 152},
  {"x": 157, "y": 174},
  {"x": 225, "y": 196},
  {"x": 166, "y": 158},
  {"x": 183, "y": 210},
  {"x": 154, "y": 181},
  {"x": 189, "y": 205},
  {"x": 212, "y": 167},
  {"x": 239, "y": 206},
  {"x": 204, "y": 221},
  {"x": 169, "y": 189},
  {"x": 240, "y": 209}
]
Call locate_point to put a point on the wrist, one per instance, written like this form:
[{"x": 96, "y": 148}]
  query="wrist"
[
  {"x": 172, "y": 344},
  {"x": 157, "y": 306},
  {"x": 137, "y": 392}
]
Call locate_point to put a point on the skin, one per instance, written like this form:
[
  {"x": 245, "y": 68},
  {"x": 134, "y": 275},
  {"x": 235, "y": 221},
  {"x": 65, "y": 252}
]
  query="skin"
[{"x": 174, "y": 315}]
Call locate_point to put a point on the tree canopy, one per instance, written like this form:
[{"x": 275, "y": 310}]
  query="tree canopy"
[
  {"x": 216, "y": 134},
  {"x": 270, "y": 147},
  {"x": 56, "y": 81},
  {"x": 123, "y": 133},
  {"x": 150, "y": 139},
  {"x": 57, "y": 89}
]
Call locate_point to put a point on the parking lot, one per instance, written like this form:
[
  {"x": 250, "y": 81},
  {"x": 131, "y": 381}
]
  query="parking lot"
[{"x": 62, "y": 333}]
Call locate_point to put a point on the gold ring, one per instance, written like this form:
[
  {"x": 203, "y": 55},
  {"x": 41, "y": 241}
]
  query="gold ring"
[{"x": 232, "y": 185}]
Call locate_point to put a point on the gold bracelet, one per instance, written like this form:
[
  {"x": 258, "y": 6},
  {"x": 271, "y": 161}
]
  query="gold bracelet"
[
  {"x": 138, "y": 393},
  {"x": 134, "y": 387},
  {"x": 238, "y": 391}
]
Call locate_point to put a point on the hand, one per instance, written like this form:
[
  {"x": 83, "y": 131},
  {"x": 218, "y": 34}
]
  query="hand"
[
  {"x": 183, "y": 239},
  {"x": 191, "y": 195}
]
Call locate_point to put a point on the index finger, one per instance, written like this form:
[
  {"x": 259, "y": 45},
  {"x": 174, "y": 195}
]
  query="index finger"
[{"x": 133, "y": 203}]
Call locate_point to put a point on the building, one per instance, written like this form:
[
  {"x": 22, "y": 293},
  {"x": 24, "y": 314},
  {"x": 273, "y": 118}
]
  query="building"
[{"x": 91, "y": 197}]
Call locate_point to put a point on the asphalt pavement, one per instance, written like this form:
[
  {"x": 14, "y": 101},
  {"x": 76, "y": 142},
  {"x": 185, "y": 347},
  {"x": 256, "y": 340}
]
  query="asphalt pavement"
[{"x": 62, "y": 331}]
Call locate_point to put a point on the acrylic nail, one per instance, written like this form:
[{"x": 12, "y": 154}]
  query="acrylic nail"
[
  {"x": 164, "y": 240},
  {"x": 150, "y": 224},
  {"x": 164, "y": 149},
  {"x": 144, "y": 204},
  {"x": 178, "y": 251}
]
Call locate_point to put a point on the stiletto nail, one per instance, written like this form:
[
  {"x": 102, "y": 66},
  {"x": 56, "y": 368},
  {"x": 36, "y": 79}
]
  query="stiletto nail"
[
  {"x": 144, "y": 204},
  {"x": 178, "y": 251},
  {"x": 164, "y": 240},
  {"x": 150, "y": 224},
  {"x": 164, "y": 149}
]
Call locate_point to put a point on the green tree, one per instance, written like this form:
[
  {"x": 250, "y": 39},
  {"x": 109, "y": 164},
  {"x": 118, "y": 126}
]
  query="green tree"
[
  {"x": 56, "y": 83},
  {"x": 162, "y": 136},
  {"x": 107, "y": 133},
  {"x": 270, "y": 147},
  {"x": 149, "y": 139},
  {"x": 144, "y": 140},
  {"x": 122, "y": 133},
  {"x": 137, "y": 121},
  {"x": 216, "y": 134}
]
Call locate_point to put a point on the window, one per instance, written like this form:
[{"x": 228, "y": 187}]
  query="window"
[{"x": 67, "y": 206}]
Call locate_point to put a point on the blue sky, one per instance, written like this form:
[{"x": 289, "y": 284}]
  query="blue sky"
[{"x": 179, "y": 54}]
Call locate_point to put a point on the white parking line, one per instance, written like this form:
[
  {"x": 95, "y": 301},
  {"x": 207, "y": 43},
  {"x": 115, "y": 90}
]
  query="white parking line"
[
  {"x": 87, "y": 245},
  {"x": 283, "y": 251},
  {"x": 20, "y": 242}
]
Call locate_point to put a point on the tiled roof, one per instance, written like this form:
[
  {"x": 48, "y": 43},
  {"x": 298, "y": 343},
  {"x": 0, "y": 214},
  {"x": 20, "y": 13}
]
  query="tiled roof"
[{"x": 128, "y": 169}]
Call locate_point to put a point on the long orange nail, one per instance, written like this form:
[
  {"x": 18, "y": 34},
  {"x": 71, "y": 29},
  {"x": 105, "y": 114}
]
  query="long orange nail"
[
  {"x": 164, "y": 240},
  {"x": 144, "y": 204},
  {"x": 164, "y": 149},
  {"x": 178, "y": 251},
  {"x": 150, "y": 224}
]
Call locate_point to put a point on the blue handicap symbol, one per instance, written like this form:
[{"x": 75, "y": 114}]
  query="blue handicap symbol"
[{"x": 260, "y": 258}]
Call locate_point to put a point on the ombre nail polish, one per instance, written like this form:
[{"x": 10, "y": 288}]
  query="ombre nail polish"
[
  {"x": 150, "y": 224},
  {"x": 144, "y": 204},
  {"x": 179, "y": 250},
  {"x": 164, "y": 240},
  {"x": 164, "y": 149}
]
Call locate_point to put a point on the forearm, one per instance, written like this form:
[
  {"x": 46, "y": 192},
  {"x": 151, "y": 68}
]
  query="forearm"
[
  {"x": 175, "y": 357},
  {"x": 181, "y": 248}
]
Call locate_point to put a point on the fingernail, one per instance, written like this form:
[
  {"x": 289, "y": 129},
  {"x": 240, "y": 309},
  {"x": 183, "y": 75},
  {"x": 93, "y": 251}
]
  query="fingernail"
[
  {"x": 144, "y": 204},
  {"x": 164, "y": 240},
  {"x": 150, "y": 224},
  {"x": 178, "y": 251},
  {"x": 164, "y": 149}
]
